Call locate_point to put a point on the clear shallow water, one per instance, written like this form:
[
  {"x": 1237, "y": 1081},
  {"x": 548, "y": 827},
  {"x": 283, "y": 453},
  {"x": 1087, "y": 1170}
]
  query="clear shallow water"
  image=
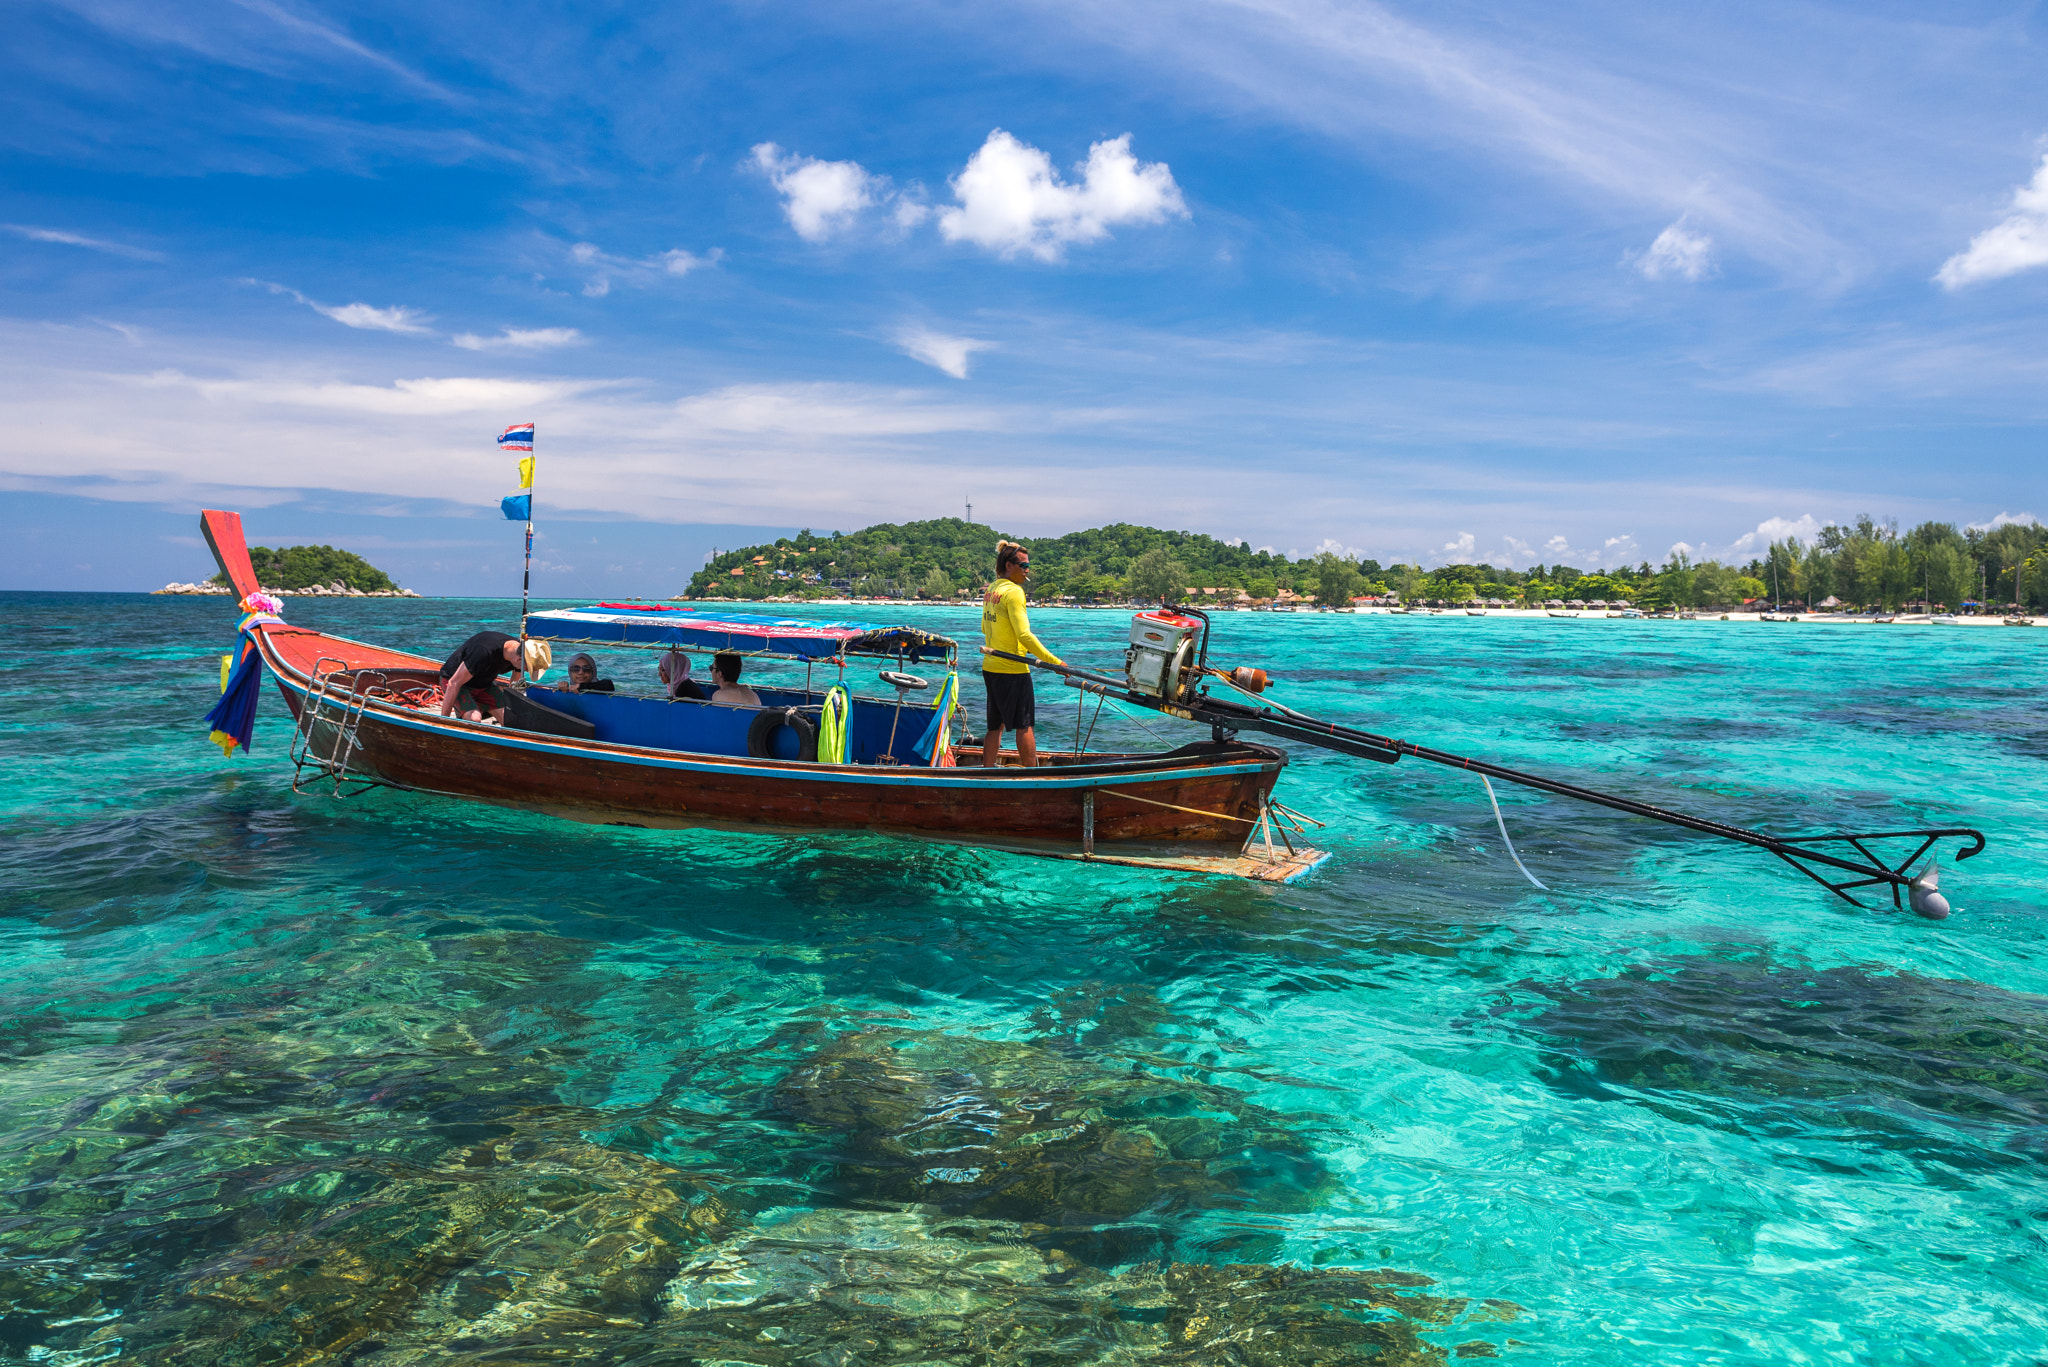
[{"x": 399, "y": 1079}]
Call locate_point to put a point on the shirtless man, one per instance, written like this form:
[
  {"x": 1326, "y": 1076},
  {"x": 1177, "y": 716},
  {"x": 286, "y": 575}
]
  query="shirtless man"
[{"x": 730, "y": 692}]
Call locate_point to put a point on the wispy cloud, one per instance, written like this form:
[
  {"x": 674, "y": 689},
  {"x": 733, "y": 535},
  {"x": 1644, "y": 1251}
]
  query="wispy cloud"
[
  {"x": 323, "y": 35},
  {"x": 68, "y": 239},
  {"x": 601, "y": 267},
  {"x": 939, "y": 350},
  {"x": 519, "y": 339},
  {"x": 2018, "y": 242},
  {"x": 1356, "y": 71},
  {"x": 368, "y": 317},
  {"x": 1013, "y": 202}
]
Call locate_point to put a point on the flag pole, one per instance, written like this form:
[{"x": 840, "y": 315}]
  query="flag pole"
[{"x": 526, "y": 573}]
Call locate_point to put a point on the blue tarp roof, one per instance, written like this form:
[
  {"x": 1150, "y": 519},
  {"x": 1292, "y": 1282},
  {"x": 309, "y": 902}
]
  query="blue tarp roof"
[{"x": 752, "y": 633}]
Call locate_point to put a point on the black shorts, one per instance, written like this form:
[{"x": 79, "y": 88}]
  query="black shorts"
[{"x": 1011, "y": 703}]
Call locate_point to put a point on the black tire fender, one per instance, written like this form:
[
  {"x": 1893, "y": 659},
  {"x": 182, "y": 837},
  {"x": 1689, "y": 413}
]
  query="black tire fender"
[{"x": 769, "y": 720}]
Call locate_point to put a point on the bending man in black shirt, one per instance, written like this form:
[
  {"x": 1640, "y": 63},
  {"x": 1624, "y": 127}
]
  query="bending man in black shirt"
[{"x": 478, "y": 663}]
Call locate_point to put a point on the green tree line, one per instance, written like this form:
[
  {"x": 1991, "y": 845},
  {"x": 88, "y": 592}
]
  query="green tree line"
[
  {"x": 299, "y": 567},
  {"x": 1862, "y": 564},
  {"x": 946, "y": 557}
]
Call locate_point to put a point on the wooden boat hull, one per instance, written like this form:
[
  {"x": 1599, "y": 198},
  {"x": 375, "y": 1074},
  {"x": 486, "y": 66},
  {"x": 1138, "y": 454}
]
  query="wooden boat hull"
[{"x": 1201, "y": 799}]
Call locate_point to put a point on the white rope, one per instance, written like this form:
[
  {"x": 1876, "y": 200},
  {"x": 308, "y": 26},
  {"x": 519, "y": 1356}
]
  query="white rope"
[{"x": 1504, "y": 833}]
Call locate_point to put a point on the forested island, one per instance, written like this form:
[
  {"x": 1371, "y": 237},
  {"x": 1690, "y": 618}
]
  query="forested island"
[
  {"x": 302, "y": 569},
  {"x": 1866, "y": 563}
]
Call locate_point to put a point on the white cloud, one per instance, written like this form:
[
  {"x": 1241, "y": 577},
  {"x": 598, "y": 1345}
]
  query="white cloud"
[
  {"x": 819, "y": 197},
  {"x": 1012, "y": 201},
  {"x": 676, "y": 261},
  {"x": 1678, "y": 253},
  {"x": 62, "y": 238},
  {"x": 519, "y": 339},
  {"x": 2006, "y": 520},
  {"x": 1806, "y": 527},
  {"x": 397, "y": 318},
  {"x": 939, "y": 350},
  {"x": 2016, "y": 243},
  {"x": 1336, "y": 547},
  {"x": 1459, "y": 551}
]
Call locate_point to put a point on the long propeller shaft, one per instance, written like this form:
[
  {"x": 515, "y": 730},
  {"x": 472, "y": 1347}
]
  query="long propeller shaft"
[{"x": 1285, "y": 723}]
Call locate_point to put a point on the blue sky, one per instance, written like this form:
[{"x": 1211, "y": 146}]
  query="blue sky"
[{"x": 1542, "y": 282}]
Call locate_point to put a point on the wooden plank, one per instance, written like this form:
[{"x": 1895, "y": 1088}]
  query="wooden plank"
[{"x": 1282, "y": 868}]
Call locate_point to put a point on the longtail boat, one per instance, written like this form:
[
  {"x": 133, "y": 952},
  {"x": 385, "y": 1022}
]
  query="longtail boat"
[
  {"x": 367, "y": 716},
  {"x": 370, "y": 714}
]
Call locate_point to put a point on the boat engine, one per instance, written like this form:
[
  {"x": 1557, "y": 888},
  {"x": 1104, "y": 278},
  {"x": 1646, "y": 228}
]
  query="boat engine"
[{"x": 1161, "y": 661}]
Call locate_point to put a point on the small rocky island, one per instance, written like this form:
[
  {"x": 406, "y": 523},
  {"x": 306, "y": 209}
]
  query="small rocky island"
[{"x": 310, "y": 571}]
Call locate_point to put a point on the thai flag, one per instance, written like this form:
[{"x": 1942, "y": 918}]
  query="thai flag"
[{"x": 517, "y": 437}]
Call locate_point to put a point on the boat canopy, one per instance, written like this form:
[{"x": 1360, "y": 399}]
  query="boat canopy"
[{"x": 648, "y": 624}]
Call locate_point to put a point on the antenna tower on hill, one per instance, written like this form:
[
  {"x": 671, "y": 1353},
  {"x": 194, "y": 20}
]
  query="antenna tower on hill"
[{"x": 970, "y": 509}]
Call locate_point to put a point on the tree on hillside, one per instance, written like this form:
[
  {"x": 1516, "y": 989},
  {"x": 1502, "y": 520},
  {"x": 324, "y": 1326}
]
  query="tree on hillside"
[
  {"x": 1337, "y": 579},
  {"x": 937, "y": 584},
  {"x": 1157, "y": 576},
  {"x": 1677, "y": 580}
]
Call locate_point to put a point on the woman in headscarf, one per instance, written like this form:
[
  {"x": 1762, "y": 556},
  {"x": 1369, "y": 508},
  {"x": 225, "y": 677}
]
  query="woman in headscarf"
[
  {"x": 675, "y": 676},
  {"x": 583, "y": 676}
]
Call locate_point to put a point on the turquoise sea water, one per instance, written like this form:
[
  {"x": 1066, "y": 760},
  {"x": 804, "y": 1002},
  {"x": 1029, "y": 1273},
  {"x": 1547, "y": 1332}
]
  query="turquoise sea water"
[{"x": 399, "y": 1079}]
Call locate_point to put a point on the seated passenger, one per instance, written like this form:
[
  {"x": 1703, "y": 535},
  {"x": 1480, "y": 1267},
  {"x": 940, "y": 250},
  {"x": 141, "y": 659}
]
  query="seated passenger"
[
  {"x": 583, "y": 676},
  {"x": 725, "y": 674},
  {"x": 675, "y": 677},
  {"x": 477, "y": 663}
]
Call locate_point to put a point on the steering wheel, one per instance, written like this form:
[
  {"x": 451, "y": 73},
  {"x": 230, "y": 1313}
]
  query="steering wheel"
[{"x": 909, "y": 683}]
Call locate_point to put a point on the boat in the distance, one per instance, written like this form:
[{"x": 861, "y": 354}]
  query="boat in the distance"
[{"x": 367, "y": 715}]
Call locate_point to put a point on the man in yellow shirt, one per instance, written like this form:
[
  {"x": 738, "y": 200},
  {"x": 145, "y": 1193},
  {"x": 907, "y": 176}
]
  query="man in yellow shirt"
[{"x": 1005, "y": 627}]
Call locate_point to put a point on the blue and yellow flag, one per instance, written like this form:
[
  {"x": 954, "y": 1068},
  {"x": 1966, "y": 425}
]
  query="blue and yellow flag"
[{"x": 518, "y": 505}]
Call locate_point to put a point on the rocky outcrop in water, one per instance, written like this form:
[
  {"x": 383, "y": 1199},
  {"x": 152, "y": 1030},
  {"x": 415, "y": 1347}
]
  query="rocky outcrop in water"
[
  {"x": 1908, "y": 1062},
  {"x": 1007, "y": 1130},
  {"x": 320, "y": 1181}
]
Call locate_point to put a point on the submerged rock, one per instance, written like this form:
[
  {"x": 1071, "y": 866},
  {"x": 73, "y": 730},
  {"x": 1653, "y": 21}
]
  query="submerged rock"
[
  {"x": 513, "y": 1240},
  {"x": 1776, "y": 1049},
  {"x": 1014, "y": 1131},
  {"x": 896, "y": 1288},
  {"x": 906, "y": 1287}
]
